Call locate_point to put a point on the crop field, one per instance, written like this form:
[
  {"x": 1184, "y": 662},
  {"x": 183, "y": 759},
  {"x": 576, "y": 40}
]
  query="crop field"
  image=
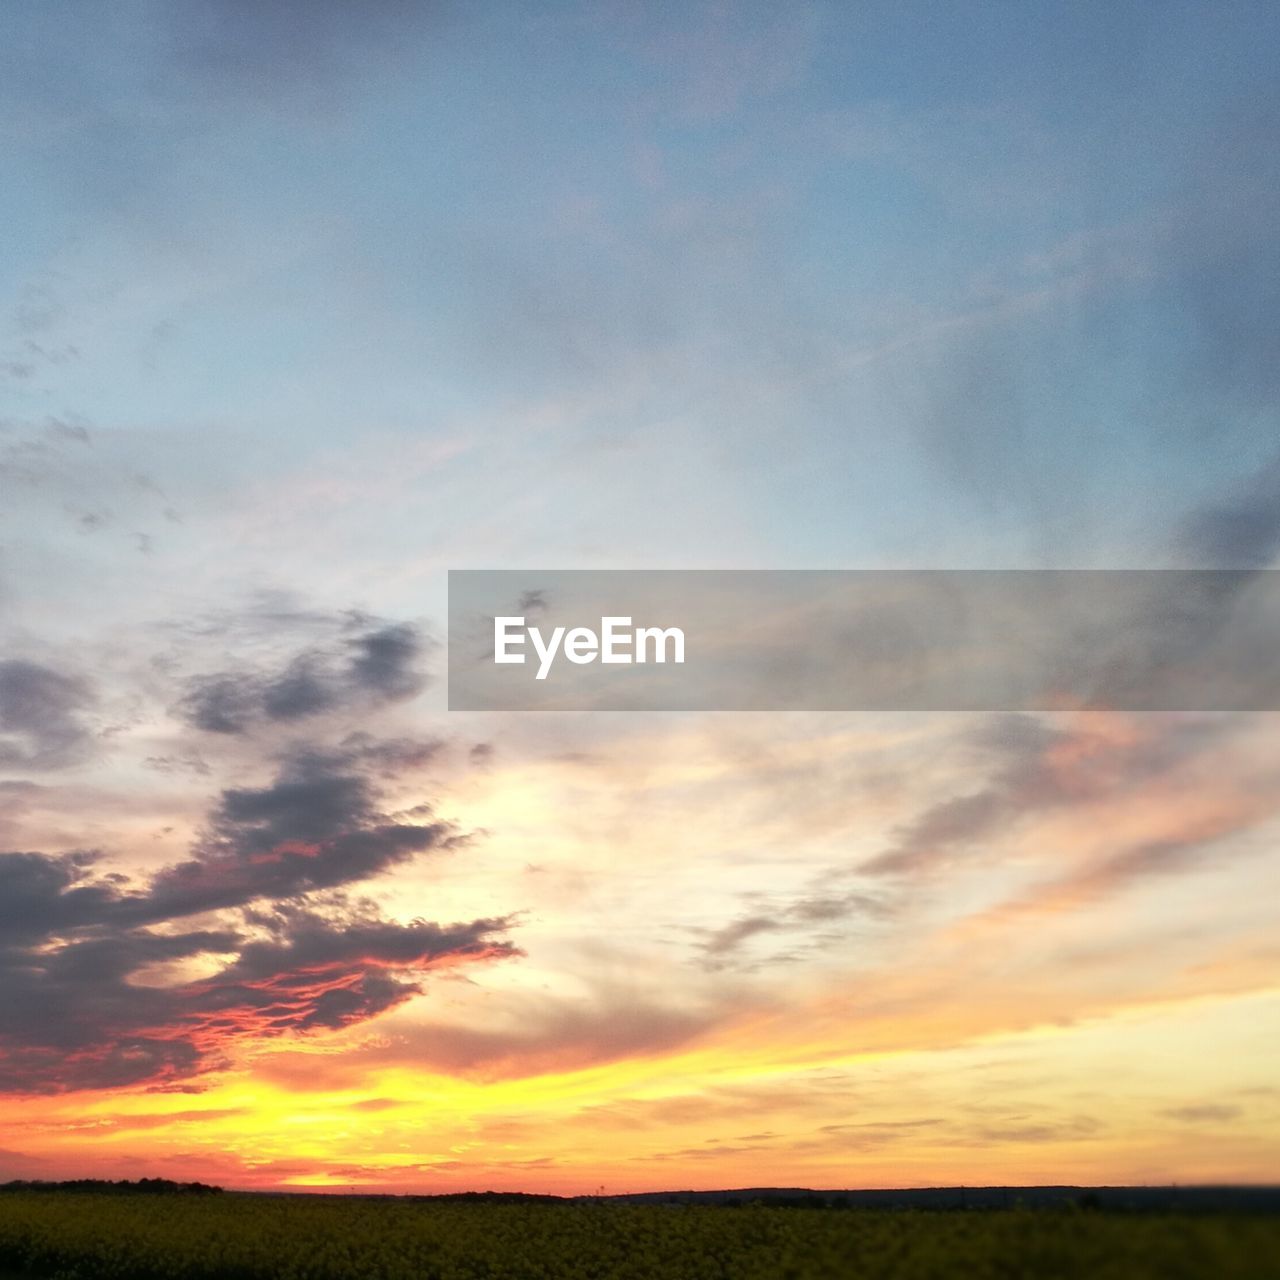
[{"x": 238, "y": 1237}]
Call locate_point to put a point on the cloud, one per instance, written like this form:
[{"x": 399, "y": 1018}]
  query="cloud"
[
  {"x": 1066, "y": 1131},
  {"x": 1162, "y": 784},
  {"x": 316, "y": 826},
  {"x": 179, "y": 762},
  {"x": 1026, "y": 766},
  {"x": 818, "y": 916},
  {"x": 1019, "y": 749},
  {"x": 300, "y": 690},
  {"x": 1198, "y": 839},
  {"x": 384, "y": 661},
  {"x": 56, "y": 472},
  {"x": 525, "y": 1034},
  {"x": 220, "y": 704},
  {"x": 102, "y": 985},
  {"x": 731, "y": 936},
  {"x": 1203, "y": 1113},
  {"x": 316, "y": 971},
  {"x": 1037, "y": 764},
  {"x": 42, "y": 716},
  {"x": 44, "y": 894},
  {"x": 377, "y": 665},
  {"x": 387, "y": 757}
]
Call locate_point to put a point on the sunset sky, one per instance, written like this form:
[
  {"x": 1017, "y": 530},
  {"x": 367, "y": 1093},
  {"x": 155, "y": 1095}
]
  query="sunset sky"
[{"x": 306, "y": 303}]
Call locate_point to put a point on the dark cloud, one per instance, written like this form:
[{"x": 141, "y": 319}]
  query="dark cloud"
[
  {"x": 317, "y": 826},
  {"x": 301, "y": 690},
  {"x": 43, "y": 894},
  {"x": 42, "y": 716},
  {"x": 291, "y": 951},
  {"x": 220, "y": 704},
  {"x": 350, "y": 966},
  {"x": 385, "y": 661},
  {"x": 379, "y": 664}
]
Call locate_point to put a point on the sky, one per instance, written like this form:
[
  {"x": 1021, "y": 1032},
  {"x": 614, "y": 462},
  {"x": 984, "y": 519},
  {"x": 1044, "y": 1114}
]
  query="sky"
[{"x": 304, "y": 304}]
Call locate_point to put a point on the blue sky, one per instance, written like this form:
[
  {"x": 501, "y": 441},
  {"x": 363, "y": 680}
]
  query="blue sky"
[{"x": 846, "y": 265}]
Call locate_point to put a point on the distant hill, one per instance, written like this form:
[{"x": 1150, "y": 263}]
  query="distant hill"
[{"x": 1254, "y": 1198}]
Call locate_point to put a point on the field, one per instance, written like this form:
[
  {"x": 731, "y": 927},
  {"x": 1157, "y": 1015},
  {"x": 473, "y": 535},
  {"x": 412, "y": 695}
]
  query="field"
[{"x": 240, "y": 1237}]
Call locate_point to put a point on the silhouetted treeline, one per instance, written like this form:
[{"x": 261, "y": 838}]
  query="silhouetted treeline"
[
  {"x": 143, "y": 1186},
  {"x": 1249, "y": 1199}
]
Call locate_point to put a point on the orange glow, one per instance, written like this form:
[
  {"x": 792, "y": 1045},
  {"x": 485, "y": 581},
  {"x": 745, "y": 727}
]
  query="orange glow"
[{"x": 1045, "y": 1004}]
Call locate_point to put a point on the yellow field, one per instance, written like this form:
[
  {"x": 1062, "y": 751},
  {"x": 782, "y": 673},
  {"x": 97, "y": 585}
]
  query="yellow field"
[{"x": 239, "y": 1237}]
